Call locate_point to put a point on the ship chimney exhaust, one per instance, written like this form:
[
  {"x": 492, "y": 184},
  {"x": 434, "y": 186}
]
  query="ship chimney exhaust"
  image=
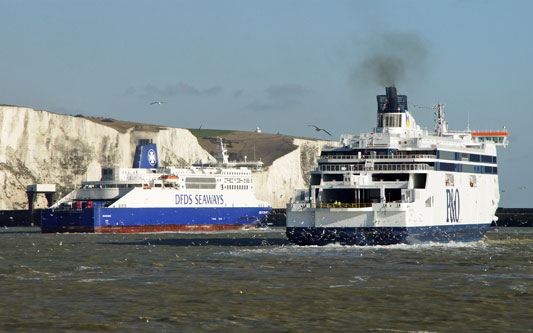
[
  {"x": 390, "y": 107},
  {"x": 391, "y": 101}
]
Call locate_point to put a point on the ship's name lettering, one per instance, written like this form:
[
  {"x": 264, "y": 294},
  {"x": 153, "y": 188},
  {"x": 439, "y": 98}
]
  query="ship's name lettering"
[
  {"x": 453, "y": 205},
  {"x": 199, "y": 199}
]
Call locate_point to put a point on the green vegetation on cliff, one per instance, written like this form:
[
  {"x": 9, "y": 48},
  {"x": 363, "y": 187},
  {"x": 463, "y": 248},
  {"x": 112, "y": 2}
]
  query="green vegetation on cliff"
[{"x": 203, "y": 133}]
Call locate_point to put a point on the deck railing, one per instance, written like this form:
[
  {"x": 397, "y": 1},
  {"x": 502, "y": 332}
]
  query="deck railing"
[
  {"x": 372, "y": 157},
  {"x": 374, "y": 167},
  {"x": 345, "y": 205}
]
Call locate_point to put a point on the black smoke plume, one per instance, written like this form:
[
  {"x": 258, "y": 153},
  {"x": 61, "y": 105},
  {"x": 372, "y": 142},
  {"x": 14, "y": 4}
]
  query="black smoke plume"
[{"x": 391, "y": 58}]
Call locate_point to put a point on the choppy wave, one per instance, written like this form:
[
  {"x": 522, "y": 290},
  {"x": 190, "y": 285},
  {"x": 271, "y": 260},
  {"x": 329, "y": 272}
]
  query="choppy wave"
[
  {"x": 332, "y": 249},
  {"x": 97, "y": 280},
  {"x": 246, "y": 281}
]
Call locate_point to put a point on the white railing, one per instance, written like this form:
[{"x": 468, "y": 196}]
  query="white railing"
[
  {"x": 369, "y": 157},
  {"x": 375, "y": 167},
  {"x": 344, "y": 205}
]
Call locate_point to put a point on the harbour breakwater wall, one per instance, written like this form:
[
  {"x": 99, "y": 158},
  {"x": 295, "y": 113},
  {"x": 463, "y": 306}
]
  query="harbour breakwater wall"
[
  {"x": 514, "y": 217},
  {"x": 44, "y": 147},
  {"x": 507, "y": 217}
]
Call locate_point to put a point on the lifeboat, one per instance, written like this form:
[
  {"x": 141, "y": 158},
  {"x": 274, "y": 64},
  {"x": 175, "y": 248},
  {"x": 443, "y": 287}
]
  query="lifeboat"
[{"x": 169, "y": 178}]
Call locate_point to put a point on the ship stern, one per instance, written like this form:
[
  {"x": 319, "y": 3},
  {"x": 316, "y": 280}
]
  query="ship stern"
[{"x": 376, "y": 225}]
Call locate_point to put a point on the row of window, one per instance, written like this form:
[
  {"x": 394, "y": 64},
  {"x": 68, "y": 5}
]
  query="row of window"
[
  {"x": 440, "y": 154},
  {"x": 441, "y": 166},
  {"x": 111, "y": 185},
  {"x": 454, "y": 156},
  {"x": 200, "y": 186},
  {"x": 495, "y": 139},
  {"x": 238, "y": 180},
  {"x": 235, "y": 173},
  {"x": 200, "y": 180},
  {"x": 236, "y": 187}
]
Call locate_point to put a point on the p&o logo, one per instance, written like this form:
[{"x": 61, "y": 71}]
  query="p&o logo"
[{"x": 453, "y": 205}]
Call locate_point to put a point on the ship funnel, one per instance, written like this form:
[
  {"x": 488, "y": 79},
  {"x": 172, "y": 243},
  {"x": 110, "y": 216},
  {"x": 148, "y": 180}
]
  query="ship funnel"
[
  {"x": 392, "y": 109},
  {"x": 145, "y": 155},
  {"x": 392, "y": 98},
  {"x": 391, "y": 102}
]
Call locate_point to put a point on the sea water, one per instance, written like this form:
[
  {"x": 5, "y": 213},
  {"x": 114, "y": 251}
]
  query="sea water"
[{"x": 255, "y": 280}]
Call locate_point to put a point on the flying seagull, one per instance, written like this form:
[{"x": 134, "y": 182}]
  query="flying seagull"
[
  {"x": 159, "y": 103},
  {"x": 318, "y": 129}
]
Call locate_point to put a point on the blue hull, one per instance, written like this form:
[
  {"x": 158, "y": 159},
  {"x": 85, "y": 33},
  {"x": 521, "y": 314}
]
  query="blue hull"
[
  {"x": 386, "y": 236},
  {"x": 98, "y": 219}
]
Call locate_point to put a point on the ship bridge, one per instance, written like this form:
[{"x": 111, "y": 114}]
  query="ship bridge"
[{"x": 500, "y": 138}]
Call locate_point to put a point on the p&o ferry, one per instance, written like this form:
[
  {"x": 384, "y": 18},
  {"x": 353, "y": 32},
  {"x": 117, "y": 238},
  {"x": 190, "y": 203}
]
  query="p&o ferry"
[
  {"x": 400, "y": 184},
  {"x": 150, "y": 198}
]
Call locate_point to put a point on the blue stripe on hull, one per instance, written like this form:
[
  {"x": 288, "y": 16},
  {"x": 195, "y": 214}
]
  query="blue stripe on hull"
[
  {"x": 86, "y": 220},
  {"x": 386, "y": 236}
]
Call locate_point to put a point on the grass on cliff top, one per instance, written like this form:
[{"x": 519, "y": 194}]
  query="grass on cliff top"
[{"x": 203, "y": 133}]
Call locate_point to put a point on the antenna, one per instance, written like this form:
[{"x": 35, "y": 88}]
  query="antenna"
[{"x": 441, "y": 126}]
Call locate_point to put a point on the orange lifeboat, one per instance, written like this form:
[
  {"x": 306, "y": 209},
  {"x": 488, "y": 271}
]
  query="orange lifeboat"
[{"x": 169, "y": 178}]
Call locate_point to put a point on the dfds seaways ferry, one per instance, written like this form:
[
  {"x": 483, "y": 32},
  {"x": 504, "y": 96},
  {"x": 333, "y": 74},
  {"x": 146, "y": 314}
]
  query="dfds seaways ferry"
[
  {"x": 400, "y": 184},
  {"x": 149, "y": 198}
]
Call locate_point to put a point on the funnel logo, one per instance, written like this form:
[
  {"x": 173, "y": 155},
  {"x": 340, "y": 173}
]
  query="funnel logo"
[{"x": 152, "y": 159}]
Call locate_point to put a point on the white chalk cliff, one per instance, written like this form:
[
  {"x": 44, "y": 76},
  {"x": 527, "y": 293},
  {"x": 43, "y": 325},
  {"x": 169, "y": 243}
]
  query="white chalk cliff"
[
  {"x": 277, "y": 183},
  {"x": 44, "y": 147}
]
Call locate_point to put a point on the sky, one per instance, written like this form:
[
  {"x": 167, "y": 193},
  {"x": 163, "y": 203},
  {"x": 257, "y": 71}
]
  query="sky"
[{"x": 278, "y": 65}]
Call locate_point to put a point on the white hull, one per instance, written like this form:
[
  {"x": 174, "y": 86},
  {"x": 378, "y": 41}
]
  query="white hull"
[{"x": 431, "y": 207}]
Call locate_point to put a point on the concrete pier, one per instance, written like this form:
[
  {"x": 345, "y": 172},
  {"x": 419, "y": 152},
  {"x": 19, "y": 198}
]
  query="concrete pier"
[{"x": 49, "y": 190}]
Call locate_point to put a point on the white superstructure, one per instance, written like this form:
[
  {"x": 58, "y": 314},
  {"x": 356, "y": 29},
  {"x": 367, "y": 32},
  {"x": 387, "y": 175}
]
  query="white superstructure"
[
  {"x": 400, "y": 183},
  {"x": 168, "y": 187}
]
